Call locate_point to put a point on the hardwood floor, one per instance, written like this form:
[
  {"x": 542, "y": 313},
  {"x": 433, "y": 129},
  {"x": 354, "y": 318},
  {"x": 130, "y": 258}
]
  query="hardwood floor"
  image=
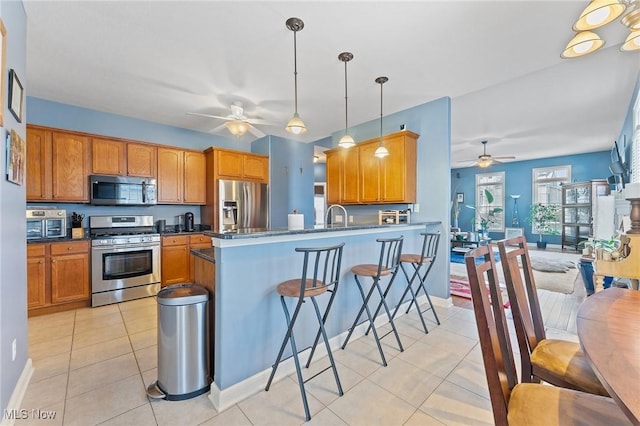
[{"x": 558, "y": 310}]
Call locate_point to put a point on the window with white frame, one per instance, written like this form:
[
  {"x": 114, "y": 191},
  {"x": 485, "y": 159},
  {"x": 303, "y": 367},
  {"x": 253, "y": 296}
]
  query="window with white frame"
[
  {"x": 490, "y": 201},
  {"x": 547, "y": 188}
]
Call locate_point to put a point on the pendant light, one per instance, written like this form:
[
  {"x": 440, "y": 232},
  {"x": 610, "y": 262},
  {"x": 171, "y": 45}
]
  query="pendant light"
[
  {"x": 582, "y": 44},
  {"x": 599, "y": 13},
  {"x": 295, "y": 125},
  {"x": 382, "y": 151},
  {"x": 346, "y": 141}
]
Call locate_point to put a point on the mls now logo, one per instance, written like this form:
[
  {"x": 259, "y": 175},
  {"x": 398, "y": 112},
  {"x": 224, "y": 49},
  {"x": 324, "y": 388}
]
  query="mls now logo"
[
  {"x": 15, "y": 414},
  {"x": 23, "y": 414}
]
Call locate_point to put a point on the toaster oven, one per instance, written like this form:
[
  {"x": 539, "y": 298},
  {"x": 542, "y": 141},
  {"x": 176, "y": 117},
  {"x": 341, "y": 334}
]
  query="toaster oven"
[{"x": 46, "y": 223}]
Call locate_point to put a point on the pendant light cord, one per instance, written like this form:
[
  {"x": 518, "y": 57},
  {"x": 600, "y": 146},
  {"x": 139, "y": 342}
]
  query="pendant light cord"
[
  {"x": 295, "y": 72},
  {"x": 346, "y": 105},
  {"x": 381, "y": 83}
]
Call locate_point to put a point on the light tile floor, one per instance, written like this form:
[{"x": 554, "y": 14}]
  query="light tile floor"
[{"x": 92, "y": 366}]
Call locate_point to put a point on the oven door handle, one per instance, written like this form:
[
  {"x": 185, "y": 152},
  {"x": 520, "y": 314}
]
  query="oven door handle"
[{"x": 127, "y": 247}]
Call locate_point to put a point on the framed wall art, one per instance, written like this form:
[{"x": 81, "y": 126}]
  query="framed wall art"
[
  {"x": 3, "y": 54},
  {"x": 16, "y": 158},
  {"x": 16, "y": 95}
]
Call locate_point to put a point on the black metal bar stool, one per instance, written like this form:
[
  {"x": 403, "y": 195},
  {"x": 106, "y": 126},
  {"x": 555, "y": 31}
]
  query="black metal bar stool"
[
  {"x": 390, "y": 251},
  {"x": 320, "y": 274},
  {"x": 427, "y": 257}
]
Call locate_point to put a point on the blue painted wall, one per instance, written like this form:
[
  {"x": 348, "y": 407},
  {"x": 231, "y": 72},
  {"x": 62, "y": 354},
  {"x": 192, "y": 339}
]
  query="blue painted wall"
[
  {"x": 13, "y": 262},
  {"x": 432, "y": 121},
  {"x": 519, "y": 180}
]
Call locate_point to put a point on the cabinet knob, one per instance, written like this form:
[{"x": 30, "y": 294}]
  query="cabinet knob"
[{"x": 69, "y": 248}]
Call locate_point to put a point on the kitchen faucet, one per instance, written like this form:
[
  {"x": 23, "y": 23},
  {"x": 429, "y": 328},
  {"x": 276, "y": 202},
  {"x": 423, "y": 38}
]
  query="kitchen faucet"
[{"x": 326, "y": 219}]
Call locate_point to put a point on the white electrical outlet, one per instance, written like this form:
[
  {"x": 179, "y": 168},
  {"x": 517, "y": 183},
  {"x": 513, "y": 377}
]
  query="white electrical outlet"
[
  {"x": 350, "y": 218},
  {"x": 14, "y": 350},
  {"x": 416, "y": 207},
  {"x": 339, "y": 218}
]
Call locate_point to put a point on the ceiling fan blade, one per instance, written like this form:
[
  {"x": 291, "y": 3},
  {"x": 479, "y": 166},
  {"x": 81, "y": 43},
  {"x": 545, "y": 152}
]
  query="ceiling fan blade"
[
  {"x": 210, "y": 116},
  {"x": 217, "y": 129},
  {"x": 467, "y": 161},
  {"x": 256, "y": 132},
  {"x": 509, "y": 157},
  {"x": 260, "y": 121}
]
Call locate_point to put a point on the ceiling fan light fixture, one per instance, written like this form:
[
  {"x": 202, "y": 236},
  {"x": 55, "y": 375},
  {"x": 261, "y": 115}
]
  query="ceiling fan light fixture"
[
  {"x": 346, "y": 141},
  {"x": 295, "y": 125},
  {"x": 599, "y": 13},
  {"x": 237, "y": 127},
  {"x": 484, "y": 162},
  {"x": 632, "y": 42},
  {"x": 583, "y": 43}
]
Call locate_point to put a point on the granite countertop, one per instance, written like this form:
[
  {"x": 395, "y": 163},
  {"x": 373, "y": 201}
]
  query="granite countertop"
[
  {"x": 205, "y": 253},
  {"x": 267, "y": 232}
]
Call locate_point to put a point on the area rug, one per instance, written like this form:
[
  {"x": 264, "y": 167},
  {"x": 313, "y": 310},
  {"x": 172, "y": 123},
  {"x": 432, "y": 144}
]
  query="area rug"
[
  {"x": 459, "y": 257},
  {"x": 459, "y": 287},
  {"x": 559, "y": 281}
]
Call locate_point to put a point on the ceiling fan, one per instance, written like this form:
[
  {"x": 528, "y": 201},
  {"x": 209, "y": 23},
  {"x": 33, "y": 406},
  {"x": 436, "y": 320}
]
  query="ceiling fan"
[
  {"x": 485, "y": 160},
  {"x": 237, "y": 122}
]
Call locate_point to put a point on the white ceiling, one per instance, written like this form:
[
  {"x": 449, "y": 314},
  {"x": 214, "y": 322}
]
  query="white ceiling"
[{"x": 499, "y": 61}]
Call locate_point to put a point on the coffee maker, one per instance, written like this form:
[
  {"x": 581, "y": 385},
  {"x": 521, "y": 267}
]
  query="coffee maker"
[{"x": 188, "y": 222}]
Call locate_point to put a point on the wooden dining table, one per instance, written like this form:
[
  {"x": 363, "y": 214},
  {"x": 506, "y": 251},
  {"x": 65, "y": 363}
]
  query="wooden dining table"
[{"x": 609, "y": 332}]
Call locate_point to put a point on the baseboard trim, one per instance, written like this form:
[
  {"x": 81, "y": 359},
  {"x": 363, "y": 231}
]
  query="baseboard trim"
[
  {"x": 224, "y": 399},
  {"x": 15, "y": 402}
]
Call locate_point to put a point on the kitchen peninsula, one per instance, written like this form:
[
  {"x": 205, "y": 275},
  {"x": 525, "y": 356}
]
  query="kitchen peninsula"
[{"x": 249, "y": 323}]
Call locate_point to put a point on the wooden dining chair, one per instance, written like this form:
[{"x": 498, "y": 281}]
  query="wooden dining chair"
[
  {"x": 516, "y": 403},
  {"x": 558, "y": 362}
]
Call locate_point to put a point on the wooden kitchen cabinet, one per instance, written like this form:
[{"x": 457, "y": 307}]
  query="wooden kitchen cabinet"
[
  {"x": 36, "y": 275},
  {"x": 122, "y": 158},
  {"x": 177, "y": 262},
  {"x": 170, "y": 175},
  {"x": 256, "y": 167},
  {"x": 70, "y": 167},
  {"x": 38, "y": 165},
  {"x": 238, "y": 165},
  {"x": 356, "y": 176},
  {"x": 108, "y": 157},
  {"x": 181, "y": 177},
  {"x": 69, "y": 271},
  {"x": 195, "y": 178},
  {"x": 57, "y": 166},
  {"x": 175, "y": 259},
  {"x": 197, "y": 241},
  {"x": 141, "y": 160},
  {"x": 343, "y": 168},
  {"x": 58, "y": 276}
]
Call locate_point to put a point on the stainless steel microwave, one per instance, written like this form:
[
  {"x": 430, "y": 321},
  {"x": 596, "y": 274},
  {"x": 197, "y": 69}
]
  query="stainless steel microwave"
[
  {"x": 46, "y": 223},
  {"x": 122, "y": 191}
]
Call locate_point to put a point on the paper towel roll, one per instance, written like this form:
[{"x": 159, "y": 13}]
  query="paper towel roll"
[{"x": 296, "y": 221}]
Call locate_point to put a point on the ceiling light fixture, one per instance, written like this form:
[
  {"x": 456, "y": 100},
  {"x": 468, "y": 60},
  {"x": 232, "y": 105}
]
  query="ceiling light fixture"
[
  {"x": 346, "y": 141},
  {"x": 597, "y": 14},
  {"x": 237, "y": 127},
  {"x": 295, "y": 125},
  {"x": 583, "y": 43},
  {"x": 382, "y": 151},
  {"x": 632, "y": 42}
]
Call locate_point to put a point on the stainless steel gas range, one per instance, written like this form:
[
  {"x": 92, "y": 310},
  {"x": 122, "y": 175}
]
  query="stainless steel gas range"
[{"x": 125, "y": 258}]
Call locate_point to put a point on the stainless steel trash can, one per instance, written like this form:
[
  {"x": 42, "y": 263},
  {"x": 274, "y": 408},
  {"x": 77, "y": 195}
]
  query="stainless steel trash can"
[{"x": 183, "y": 343}]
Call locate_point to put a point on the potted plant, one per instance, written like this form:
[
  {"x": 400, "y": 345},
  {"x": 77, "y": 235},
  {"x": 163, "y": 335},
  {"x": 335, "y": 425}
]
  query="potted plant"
[
  {"x": 543, "y": 217},
  {"x": 487, "y": 219}
]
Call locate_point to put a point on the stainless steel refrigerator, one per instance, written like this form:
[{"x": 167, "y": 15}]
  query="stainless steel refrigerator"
[{"x": 242, "y": 205}]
